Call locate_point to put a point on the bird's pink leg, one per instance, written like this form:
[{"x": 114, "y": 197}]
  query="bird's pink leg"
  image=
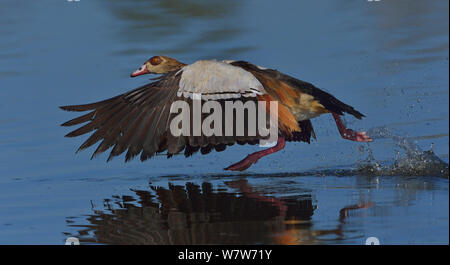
[
  {"x": 349, "y": 134},
  {"x": 253, "y": 158}
]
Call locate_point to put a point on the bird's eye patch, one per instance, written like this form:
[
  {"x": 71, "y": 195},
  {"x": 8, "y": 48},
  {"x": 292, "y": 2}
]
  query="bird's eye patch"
[{"x": 155, "y": 60}]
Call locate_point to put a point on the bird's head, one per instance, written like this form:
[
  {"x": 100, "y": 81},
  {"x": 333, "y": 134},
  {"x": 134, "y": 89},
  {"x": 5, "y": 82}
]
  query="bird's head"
[{"x": 158, "y": 65}]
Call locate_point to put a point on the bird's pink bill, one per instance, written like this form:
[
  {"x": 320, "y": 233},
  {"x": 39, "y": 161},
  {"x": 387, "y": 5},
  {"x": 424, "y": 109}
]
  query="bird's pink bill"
[{"x": 141, "y": 71}]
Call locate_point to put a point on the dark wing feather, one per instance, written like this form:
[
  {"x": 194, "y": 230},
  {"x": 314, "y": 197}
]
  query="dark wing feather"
[
  {"x": 327, "y": 100},
  {"x": 305, "y": 134},
  {"x": 135, "y": 120}
]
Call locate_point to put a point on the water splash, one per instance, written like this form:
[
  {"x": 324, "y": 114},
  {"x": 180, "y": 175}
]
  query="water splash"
[
  {"x": 414, "y": 161},
  {"x": 408, "y": 161}
]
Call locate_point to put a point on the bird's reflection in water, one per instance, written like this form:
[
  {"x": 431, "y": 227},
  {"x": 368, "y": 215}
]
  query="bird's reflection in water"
[{"x": 192, "y": 214}]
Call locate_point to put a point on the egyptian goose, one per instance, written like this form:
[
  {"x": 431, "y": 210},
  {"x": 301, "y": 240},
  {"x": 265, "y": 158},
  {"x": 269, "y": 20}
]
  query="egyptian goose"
[{"x": 139, "y": 120}]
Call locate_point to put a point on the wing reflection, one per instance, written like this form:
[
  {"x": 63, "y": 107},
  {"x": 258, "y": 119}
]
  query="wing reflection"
[{"x": 192, "y": 214}]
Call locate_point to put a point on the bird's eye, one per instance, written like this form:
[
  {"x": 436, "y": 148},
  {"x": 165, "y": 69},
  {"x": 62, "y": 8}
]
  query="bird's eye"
[{"x": 155, "y": 60}]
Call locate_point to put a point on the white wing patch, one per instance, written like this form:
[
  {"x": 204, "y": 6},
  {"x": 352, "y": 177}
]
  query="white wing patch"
[{"x": 217, "y": 80}]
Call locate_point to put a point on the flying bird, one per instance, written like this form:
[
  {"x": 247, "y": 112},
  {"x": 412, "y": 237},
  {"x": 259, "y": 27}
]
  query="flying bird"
[{"x": 139, "y": 121}]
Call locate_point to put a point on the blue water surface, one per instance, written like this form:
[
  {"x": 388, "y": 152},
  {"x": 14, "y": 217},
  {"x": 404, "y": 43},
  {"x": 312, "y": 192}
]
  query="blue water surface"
[{"x": 388, "y": 59}]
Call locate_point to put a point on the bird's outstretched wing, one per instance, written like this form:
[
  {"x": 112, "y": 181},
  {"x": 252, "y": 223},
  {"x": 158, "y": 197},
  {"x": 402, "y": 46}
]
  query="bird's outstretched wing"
[{"x": 136, "y": 120}]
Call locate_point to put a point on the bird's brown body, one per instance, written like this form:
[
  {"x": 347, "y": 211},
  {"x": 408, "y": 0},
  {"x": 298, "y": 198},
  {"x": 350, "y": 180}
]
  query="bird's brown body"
[{"x": 139, "y": 120}]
